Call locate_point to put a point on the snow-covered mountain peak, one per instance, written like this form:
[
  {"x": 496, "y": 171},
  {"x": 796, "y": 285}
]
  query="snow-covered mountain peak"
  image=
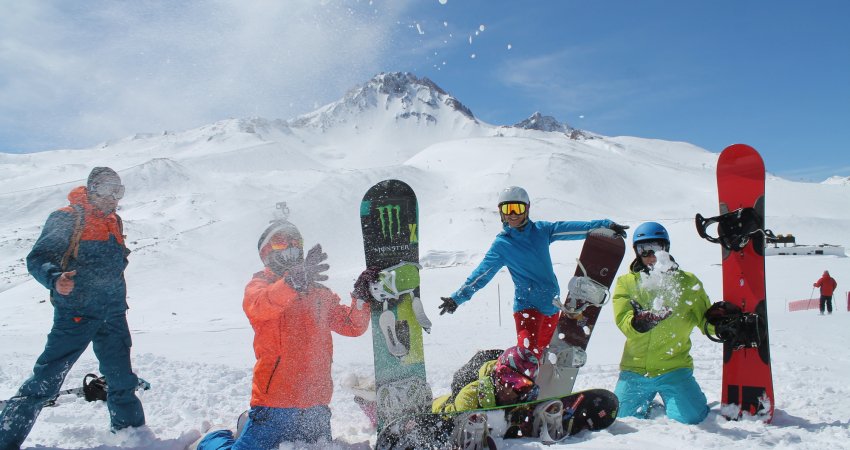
[
  {"x": 540, "y": 122},
  {"x": 402, "y": 95}
]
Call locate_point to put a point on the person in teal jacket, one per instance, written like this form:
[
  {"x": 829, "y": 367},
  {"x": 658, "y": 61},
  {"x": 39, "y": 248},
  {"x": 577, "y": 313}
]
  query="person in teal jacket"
[
  {"x": 523, "y": 246},
  {"x": 657, "y": 306},
  {"x": 80, "y": 257}
]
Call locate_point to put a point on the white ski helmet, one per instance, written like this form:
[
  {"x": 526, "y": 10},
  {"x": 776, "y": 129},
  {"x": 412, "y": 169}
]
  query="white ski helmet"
[{"x": 513, "y": 194}]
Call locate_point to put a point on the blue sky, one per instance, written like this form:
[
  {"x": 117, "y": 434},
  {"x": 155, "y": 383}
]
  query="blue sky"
[{"x": 773, "y": 75}]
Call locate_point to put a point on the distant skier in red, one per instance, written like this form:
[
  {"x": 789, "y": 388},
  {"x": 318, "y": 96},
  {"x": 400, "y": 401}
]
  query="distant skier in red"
[{"x": 827, "y": 286}]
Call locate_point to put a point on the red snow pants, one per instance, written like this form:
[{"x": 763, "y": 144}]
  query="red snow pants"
[{"x": 534, "y": 330}]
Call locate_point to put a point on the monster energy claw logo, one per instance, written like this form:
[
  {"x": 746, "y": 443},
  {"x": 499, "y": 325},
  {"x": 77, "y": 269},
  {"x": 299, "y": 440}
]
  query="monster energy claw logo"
[{"x": 387, "y": 222}]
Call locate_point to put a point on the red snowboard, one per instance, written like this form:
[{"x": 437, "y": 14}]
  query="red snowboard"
[{"x": 747, "y": 379}]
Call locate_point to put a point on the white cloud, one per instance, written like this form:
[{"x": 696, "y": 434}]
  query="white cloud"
[{"x": 98, "y": 70}]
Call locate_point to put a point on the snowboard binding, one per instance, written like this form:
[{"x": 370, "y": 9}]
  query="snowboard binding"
[
  {"x": 549, "y": 422},
  {"x": 735, "y": 229},
  {"x": 735, "y": 327},
  {"x": 471, "y": 432},
  {"x": 584, "y": 291}
]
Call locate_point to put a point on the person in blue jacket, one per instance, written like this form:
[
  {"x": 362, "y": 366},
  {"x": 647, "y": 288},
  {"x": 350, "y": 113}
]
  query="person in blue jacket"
[
  {"x": 523, "y": 246},
  {"x": 80, "y": 257}
]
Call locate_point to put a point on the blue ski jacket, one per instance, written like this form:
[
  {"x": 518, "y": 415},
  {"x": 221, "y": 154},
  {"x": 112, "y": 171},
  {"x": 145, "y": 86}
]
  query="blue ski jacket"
[
  {"x": 99, "y": 286},
  {"x": 526, "y": 254}
]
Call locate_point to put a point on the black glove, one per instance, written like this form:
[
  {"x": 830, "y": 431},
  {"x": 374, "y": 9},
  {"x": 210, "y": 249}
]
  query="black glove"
[
  {"x": 645, "y": 320},
  {"x": 448, "y": 306},
  {"x": 619, "y": 230},
  {"x": 312, "y": 268},
  {"x": 362, "y": 291}
]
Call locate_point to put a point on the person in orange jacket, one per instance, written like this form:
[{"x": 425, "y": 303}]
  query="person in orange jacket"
[
  {"x": 827, "y": 285},
  {"x": 293, "y": 316}
]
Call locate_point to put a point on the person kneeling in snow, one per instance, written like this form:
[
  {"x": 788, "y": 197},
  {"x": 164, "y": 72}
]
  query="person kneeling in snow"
[
  {"x": 292, "y": 316},
  {"x": 656, "y": 358}
]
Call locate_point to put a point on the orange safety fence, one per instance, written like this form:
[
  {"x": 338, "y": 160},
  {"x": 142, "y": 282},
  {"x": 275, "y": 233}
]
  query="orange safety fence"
[{"x": 801, "y": 305}]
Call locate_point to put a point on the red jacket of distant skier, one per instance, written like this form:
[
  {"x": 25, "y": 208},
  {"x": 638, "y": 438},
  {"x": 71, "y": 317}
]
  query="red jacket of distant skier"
[
  {"x": 826, "y": 284},
  {"x": 292, "y": 340}
]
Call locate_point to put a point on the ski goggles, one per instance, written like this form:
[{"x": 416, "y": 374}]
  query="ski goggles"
[
  {"x": 106, "y": 190},
  {"x": 649, "y": 248},
  {"x": 512, "y": 208},
  {"x": 509, "y": 378},
  {"x": 282, "y": 242}
]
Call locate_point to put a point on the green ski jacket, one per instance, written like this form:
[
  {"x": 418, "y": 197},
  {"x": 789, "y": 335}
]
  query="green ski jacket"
[{"x": 666, "y": 347}]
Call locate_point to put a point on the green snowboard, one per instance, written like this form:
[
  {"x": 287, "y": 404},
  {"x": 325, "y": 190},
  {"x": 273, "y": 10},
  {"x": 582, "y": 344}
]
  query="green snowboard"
[{"x": 389, "y": 217}]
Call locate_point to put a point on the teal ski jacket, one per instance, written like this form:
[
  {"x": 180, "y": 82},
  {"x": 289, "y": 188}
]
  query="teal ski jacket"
[{"x": 525, "y": 251}]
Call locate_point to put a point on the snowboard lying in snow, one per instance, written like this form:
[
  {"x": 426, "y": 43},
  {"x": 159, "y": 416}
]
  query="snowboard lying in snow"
[
  {"x": 91, "y": 390},
  {"x": 550, "y": 420}
]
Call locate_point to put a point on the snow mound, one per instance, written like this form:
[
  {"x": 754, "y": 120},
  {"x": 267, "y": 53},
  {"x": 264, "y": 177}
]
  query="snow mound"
[{"x": 837, "y": 180}]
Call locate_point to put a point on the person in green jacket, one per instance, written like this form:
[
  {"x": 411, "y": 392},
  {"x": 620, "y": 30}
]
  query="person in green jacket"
[
  {"x": 503, "y": 381},
  {"x": 657, "y": 306}
]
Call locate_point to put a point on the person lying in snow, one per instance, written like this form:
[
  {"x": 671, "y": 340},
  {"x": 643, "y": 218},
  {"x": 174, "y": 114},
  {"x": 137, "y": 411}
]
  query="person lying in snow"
[{"x": 292, "y": 315}]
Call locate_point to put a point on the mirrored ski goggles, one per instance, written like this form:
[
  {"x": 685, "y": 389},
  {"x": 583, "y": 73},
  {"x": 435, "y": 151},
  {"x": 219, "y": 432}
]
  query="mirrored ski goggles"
[
  {"x": 649, "y": 248},
  {"x": 106, "y": 190},
  {"x": 519, "y": 383},
  {"x": 512, "y": 208},
  {"x": 282, "y": 242}
]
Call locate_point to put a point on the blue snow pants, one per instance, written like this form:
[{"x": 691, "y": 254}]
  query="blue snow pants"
[
  {"x": 267, "y": 427},
  {"x": 110, "y": 338},
  {"x": 679, "y": 390}
]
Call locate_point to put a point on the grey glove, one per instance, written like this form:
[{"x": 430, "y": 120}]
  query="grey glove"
[
  {"x": 310, "y": 271},
  {"x": 312, "y": 267}
]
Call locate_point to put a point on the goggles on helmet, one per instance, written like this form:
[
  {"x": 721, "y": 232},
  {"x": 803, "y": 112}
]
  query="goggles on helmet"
[
  {"x": 106, "y": 190},
  {"x": 648, "y": 248},
  {"x": 520, "y": 384},
  {"x": 512, "y": 208},
  {"x": 281, "y": 241}
]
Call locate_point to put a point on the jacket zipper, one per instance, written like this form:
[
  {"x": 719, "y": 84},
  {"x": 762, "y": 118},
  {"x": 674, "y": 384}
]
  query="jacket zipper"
[{"x": 269, "y": 385}]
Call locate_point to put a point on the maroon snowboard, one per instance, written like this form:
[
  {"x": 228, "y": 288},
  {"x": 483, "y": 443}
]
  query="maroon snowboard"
[
  {"x": 601, "y": 256},
  {"x": 747, "y": 379}
]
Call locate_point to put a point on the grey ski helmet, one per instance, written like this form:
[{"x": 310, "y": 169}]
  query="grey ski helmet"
[{"x": 513, "y": 194}]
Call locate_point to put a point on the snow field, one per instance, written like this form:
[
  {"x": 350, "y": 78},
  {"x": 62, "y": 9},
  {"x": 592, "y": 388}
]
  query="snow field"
[{"x": 198, "y": 200}]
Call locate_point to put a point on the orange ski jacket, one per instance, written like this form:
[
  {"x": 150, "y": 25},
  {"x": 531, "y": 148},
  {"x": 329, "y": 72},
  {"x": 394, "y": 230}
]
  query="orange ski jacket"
[{"x": 292, "y": 340}]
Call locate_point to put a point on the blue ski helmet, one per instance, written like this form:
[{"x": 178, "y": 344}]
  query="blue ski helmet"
[{"x": 650, "y": 231}]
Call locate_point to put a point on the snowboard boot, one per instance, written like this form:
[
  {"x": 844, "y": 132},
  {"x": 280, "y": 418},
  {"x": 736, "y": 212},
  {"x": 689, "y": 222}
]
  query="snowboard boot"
[
  {"x": 549, "y": 422},
  {"x": 240, "y": 424}
]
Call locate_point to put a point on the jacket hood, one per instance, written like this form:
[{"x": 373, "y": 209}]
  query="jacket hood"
[{"x": 79, "y": 196}]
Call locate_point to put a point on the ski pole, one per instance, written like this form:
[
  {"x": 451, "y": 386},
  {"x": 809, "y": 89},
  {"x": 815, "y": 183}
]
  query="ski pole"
[
  {"x": 811, "y": 296},
  {"x": 499, "y": 298}
]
